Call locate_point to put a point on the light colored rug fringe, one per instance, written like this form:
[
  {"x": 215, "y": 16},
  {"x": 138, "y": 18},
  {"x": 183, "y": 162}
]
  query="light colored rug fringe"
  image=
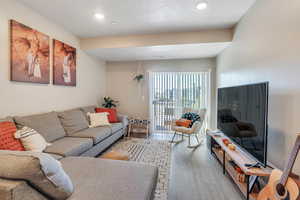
[{"x": 152, "y": 152}]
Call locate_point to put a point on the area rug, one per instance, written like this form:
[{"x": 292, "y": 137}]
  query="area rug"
[{"x": 152, "y": 152}]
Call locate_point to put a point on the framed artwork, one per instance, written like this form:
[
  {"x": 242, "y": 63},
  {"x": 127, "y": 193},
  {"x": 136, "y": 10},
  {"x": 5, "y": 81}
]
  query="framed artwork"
[
  {"x": 30, "y": 51},
  {"x": 64, "y": 64}
]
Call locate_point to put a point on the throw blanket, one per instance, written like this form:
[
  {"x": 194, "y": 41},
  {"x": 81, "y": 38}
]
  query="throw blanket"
[{"x": 191, "y": 116}]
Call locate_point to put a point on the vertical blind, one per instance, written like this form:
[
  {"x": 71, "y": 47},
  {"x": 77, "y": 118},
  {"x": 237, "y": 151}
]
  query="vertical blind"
[{"x": 173, "y": 92}]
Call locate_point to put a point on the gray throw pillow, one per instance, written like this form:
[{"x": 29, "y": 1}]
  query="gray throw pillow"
[
  {"x": 40, "y": 170},
  {"x": 88, "y": 109},
  {"x": 73, "y": 121},
  {"x": 47, "y": 124}
]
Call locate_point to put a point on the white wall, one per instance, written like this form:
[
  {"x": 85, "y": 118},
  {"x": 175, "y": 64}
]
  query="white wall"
[
  {"x": 266, "y": 47},
  {"x": 134, "y": 98},
  {"x": 24, "y": 98}
]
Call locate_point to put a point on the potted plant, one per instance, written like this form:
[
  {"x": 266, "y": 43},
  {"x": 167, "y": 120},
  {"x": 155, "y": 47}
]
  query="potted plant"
[
  {"x": 109, "y": 102},
  {"x": 139, "y": 77}
]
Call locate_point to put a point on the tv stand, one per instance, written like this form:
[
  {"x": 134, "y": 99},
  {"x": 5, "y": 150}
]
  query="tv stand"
[{"x": 230, "y": 160}]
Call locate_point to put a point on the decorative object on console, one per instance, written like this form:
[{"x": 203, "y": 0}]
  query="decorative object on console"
[
  {"x": 31, "y": 140},
  {"x": 98, "y": 119},
  {"x": 30, "y": 52},
  {"x": 231, "y": 147},
  {"x": 7, "y": 139},
  {"x": 64, "y": 64},
  {"x": 226, "y": 141},
  {"x": 109, "y": 103},
  {"x": 240, "y": 174},
  {"x": 281, "y": 186},
  {"x": 112, "y": 114}
]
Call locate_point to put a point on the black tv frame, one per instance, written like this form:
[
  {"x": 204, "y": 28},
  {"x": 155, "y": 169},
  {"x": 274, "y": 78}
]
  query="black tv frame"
[{"x": 265, "y": 163}]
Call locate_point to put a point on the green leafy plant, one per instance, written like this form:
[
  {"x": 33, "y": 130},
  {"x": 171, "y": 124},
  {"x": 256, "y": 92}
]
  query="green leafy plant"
[
  {"x": 139, "y": 77},
  {"x": 109, "y": 103}
]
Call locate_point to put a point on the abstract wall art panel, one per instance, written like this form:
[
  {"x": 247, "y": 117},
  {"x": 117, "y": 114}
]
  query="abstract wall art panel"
[
  {"x": 30, "y": 52},
  {"x": 64, "y": 64}
]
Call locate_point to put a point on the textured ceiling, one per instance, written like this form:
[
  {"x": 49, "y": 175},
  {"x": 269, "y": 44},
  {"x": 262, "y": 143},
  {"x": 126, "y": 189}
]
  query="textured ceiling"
[{"x": 139, "y": 16}]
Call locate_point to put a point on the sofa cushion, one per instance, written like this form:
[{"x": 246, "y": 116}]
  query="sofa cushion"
[
  {"x": 70, "y": 146},
  {"x": 116, "y": 127},
  {"x": 48, "y": 125},
  {"x": 7, "y": 119},
  {"x": 55, "y": 156},
  {"x": 18, "y": 190},
  {"x": 41, "y": 170},
  {"x": 109, "y": 179},
  {"x": 73, "y": 121},
  {"x": 97, "y": 134},
  {"x": 88, "y": 109}
]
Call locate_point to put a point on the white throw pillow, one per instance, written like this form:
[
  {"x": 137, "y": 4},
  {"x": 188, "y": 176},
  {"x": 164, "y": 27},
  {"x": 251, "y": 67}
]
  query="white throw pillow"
[
  {"x": 98, "y": 119},
  {"x": 31, "y": 140}
]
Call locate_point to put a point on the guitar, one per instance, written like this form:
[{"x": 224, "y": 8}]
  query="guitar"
[{"x": 280, "y": 186}]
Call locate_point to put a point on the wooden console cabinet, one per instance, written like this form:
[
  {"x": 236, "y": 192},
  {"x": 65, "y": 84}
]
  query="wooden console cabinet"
[{"x": 249, "y": 188}]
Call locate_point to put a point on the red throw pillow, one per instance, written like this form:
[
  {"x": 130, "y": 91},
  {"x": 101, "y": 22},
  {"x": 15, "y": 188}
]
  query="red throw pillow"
[
  {"x": 7, "y": 138},
  {"x": 183, "y": 122},
  {"x": 112, "y": 117}
]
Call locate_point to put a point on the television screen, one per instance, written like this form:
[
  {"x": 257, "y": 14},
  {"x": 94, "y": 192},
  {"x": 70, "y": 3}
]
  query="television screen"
[{"x": 242, "y": 116}]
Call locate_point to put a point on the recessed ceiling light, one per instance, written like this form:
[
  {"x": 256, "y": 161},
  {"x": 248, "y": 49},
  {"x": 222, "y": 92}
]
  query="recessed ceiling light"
[
  {"x": 202, "y": 5},
  {"x": 99, "y": 16}
]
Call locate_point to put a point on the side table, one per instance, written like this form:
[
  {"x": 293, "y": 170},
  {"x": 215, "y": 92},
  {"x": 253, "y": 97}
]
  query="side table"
[{"x": 138, "y": 126}]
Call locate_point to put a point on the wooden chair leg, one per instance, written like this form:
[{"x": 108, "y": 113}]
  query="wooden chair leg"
[
  {"x": 197, "y": 139},
  {"x": 129, "y": 131},
  {"x": 147, "y": 130},
  {"x": 194, "y": 146},
  {"x": 173, "y": 139}
]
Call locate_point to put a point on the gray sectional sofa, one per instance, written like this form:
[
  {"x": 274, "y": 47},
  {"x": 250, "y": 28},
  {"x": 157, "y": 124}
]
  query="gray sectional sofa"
[{"x": 75, "y": 145}]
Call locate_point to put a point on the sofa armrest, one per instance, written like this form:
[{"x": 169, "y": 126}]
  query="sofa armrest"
[
  {"x": 18, "y": 190},
  {"x": 123, "y": 119}
]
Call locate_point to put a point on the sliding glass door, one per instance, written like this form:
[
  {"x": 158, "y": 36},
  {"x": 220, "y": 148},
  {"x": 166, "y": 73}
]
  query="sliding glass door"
[{"x": 172, "y": 92}]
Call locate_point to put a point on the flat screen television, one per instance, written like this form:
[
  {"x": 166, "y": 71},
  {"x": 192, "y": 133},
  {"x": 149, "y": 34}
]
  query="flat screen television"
[{"x": 243, "y": 115}]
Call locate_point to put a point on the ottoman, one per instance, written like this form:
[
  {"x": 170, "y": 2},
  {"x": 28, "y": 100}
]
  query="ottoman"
[{"x": 115, "y": 155}]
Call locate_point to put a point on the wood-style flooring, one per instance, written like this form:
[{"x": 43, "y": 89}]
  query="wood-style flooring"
[{"x": 197, "y": 175}]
